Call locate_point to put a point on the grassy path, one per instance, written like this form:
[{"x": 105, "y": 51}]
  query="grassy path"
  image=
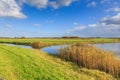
[{"x": 27, "y": 64}]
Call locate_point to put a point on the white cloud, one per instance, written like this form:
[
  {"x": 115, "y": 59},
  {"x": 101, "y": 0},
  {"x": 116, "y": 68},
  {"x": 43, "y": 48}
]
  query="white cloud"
[
  {"x": 92, "y": 25},
  {"x": 104, "y": 1},
  {"x": 35, "y": 3},
  {"x": 92, "y": 4},
  {"x": 112, "y": 20},
  {"x": 76, "y": 23},
  {"x": 80, "y": 28},
  {"x": 115, "y": 9},
  {"x": 106, "y": 27},
  {"x": 58, "y": 3},
  {"x": 8, "y": 26},
  {"x": 45, "y": 3},
  {"x": 37, "y": 25},
  {"x": 9, "y": 8},
  {"x": 77, "y": 28}
]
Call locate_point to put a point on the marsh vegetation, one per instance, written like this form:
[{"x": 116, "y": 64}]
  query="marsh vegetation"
[{"x": 90, "y": 57}]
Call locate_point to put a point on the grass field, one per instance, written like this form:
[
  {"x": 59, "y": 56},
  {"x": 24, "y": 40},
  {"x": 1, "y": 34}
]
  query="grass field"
[
  {"x": 55, "y": 41},
  {"x": 29, "y": 64}
]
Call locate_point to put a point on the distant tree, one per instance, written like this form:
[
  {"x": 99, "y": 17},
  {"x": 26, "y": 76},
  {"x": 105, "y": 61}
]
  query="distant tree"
[
  {"x": 65, "y": 37},
  {"x": 23, "y": 37},
  {"x": 72, "y": 37}
]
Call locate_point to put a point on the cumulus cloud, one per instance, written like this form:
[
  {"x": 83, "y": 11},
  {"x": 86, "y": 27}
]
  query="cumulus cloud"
[
  {"x": 58, "y": 3},
  {"x": 45, "y": 3},
  {"x": 92, "y": 25},
  {"x": 106, "y": 27},
  {"x": 35, "y": 3},
  {"x": 112, "y": 20},
  {"x": 115, "y": 9},
  {"x": 92, "y": 4},
  {"x": 9, "y": 8}
]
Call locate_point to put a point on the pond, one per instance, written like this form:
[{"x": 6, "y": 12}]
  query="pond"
[
  {"x": 114, "y": 47},
  {"x": 53, "y": 49},
  {"x": 50, "y": 49}
]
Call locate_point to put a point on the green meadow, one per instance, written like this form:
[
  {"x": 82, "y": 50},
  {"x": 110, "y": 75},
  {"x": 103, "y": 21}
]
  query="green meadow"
[{"x": 27, "y": 41}]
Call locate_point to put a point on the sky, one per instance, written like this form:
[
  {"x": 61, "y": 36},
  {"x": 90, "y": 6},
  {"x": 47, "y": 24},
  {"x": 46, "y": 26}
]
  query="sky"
[{"x": 56, "y": 18}]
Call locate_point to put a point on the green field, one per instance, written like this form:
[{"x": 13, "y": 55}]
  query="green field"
[
  {"x": 27, "y": 41},
  {"x": 30, "y": 64}
]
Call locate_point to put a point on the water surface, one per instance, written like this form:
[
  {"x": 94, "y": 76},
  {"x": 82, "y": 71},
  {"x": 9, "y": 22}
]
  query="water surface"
[
  {"x": 53, "y": 49},
  {"x": 22, "y": 46},
  {"x": 114, "y": 47}
]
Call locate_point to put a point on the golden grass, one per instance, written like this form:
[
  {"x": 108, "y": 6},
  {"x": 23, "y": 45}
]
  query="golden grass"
[
  {"x": 38, "y": 45},
  {"x": 92, "y": 58}
]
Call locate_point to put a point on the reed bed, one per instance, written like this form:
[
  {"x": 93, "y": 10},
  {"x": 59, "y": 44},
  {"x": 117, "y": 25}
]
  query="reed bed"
[
  {"x": 40, "y": 44},
  {"x": 90, "y": 57}
]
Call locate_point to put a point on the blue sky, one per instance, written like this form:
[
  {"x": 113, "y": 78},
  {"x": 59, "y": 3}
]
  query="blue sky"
[{"x": 55, "y": 18}]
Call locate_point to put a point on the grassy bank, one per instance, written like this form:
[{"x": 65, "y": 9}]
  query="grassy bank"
[
  {"x": 90, "y": 57},
  {"x": 26, "y": 64}
]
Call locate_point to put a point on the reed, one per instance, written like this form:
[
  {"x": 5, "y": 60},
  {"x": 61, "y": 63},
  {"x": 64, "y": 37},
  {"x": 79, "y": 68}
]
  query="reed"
[
  {"x": 38, "y": 45},
  {"x": 91, "y": 57}
]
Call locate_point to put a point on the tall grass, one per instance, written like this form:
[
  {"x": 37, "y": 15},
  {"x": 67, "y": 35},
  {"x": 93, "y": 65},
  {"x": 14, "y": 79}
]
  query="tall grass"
[
  {"x": 40, "y": 44},
  {"x": 92, "y": 58}
]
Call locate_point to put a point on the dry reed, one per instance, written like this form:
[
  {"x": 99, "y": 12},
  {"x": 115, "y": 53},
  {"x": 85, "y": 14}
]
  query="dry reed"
[{"x": 91, "y": 57}]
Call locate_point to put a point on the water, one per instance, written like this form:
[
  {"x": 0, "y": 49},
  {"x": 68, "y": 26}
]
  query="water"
[
  {"x": 114, "y": 47},
  {"x": 22, "y": 46},
  {"x": 53, "y": 49}
]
